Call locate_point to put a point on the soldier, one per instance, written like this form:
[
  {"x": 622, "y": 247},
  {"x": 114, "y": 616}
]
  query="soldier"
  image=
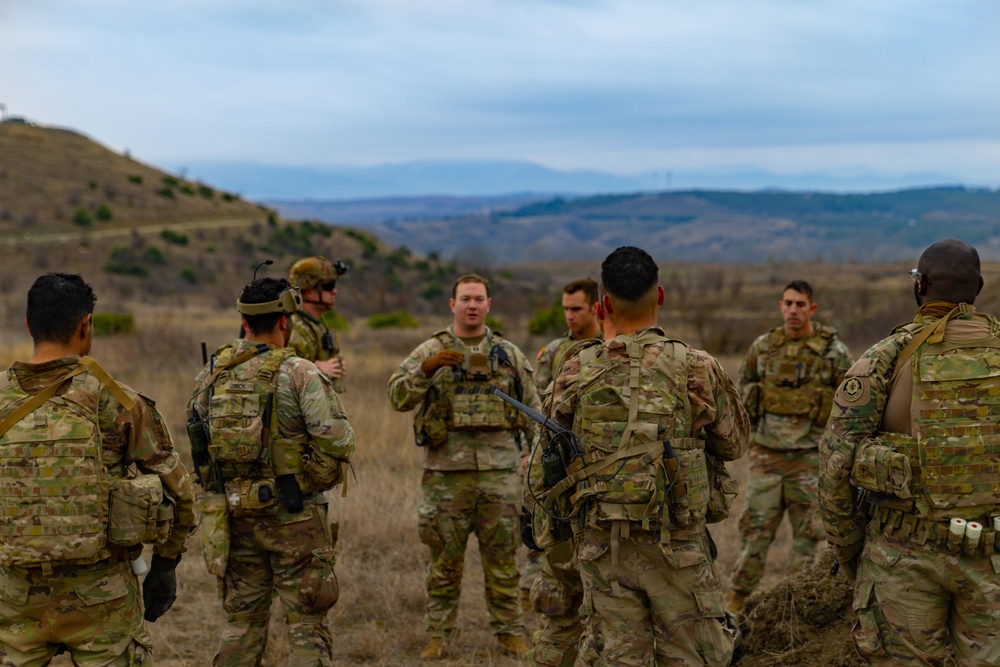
[
  {"x": 73, "y": 511},
  {"x": 916, "y": 429},
  {"x": 312, "y": 339},
  {"x": 579, "y": 302},
  {"x": 279, "y": 439},
  {"x": 472, "y": 442},
  {"x": 553, "y": 577},
  {"x": 787, "y": 382},
  {"x": 654, "y": 419}
]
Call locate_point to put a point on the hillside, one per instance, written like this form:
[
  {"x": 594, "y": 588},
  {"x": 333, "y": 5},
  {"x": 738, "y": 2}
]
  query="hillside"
[
  {"x": 710, "y": 226},
  {"x": 59, "y": 180}
]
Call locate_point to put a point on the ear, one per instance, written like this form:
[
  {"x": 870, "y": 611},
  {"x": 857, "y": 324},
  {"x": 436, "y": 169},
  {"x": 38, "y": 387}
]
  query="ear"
[
  {"x": 27, "y": 327},
  {"x": 812, "y": 308},
  {"x": 661, "y": 295},
  {"x": 980, "y": 288},
  {"x": 599, "y": 310},
  {"x": 606, "y": 301},
  {"x": 83, "y": 330},
  {"x": 451, "y": 304},
  {"x": 246, "y": 329}
]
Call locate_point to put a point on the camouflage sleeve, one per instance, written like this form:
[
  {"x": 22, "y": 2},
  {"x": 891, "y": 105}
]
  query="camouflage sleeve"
[
  {"x": 543, "y": 367},
  {"x": 408, "y": 385},
  {"x": 842, "y": 361},
  {"x": 749, "y": 380},
  {"x": 562, "y": 403},
  {"x": 322, "y": 413},
  {"x": 857, "y": 413},
  {"x": 148, "y": 445},
  {"x": 749, "y": 373},
  {"x": 303, "y": 341},
  {"x": 716, "y": 408}
]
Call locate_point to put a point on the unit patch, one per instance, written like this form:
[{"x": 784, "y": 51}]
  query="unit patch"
[{"x": 852, "y": 389}]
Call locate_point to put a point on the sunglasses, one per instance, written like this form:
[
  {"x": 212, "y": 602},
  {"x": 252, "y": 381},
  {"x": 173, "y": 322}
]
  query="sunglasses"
[
  {"x": 916, "y": 275},
  {"x": 329, "y": 287}
]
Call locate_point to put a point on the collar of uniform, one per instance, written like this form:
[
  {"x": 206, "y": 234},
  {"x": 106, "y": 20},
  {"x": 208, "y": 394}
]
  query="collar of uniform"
[{"x": 935, "y": 310}]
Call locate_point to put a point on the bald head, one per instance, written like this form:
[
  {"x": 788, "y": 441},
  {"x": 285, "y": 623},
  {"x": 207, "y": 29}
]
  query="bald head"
[{"x": 950, "y": 272}]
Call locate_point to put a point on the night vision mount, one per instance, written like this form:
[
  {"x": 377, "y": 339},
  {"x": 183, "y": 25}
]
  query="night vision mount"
[{"x": 340, "y": 267}]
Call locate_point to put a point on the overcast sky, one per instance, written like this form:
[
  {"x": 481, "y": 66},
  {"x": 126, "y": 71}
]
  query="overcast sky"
[{"x": 897, "y": 88}]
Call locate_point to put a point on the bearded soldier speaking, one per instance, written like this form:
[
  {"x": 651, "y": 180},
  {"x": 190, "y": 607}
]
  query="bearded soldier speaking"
[
  {"x": 473, "y": 446},
  {"x": 270, "y": 436},
  {"x": 88, "y": 474},
  {"x": 916, "y": 428}
]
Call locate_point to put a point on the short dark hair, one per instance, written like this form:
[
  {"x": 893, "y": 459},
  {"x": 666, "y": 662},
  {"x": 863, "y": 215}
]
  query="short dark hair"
[
  {"x": 629, "y": 273},
  {"x": 263, "y": 290},
  {"x": 57, "y": 302},
  {"x": 952, "y": 268},
  {"x": 800, "y": 286},
  {"x": 470, "y": 278},
  {"x": 587, "y": 285}
]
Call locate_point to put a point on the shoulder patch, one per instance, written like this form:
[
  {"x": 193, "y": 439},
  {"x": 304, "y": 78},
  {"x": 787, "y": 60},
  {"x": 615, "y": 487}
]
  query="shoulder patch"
[{"x": 852, "y": 389}]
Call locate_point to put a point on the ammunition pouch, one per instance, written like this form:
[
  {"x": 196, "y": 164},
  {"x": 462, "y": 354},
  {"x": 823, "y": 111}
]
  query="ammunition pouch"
[
  {"x": 252, "y": 497},
  {"x": 527, "y": 531},
  {"x": 474, "y": 407},
  {"x": 879, "y": 467},
  {"x": 240, "y": 420},
  {"x": 430, "y": 426},
  {"x": 214, "y": 531},
  {"x": 321, "y": 472},
  {"x": 546, "y": 530},
  {"x": 138, "y": 512}
]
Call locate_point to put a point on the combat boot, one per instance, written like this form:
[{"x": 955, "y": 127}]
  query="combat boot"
[
  {"x": 513, "y": 645},
  {"x": 435, "y": 649},
  {"x": 734, "y": 603}
]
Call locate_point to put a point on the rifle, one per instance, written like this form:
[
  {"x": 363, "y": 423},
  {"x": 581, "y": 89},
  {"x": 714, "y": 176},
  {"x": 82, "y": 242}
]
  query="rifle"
[
  {"x": 563, "y": 446},
  {"x": 200, "y": 437}
]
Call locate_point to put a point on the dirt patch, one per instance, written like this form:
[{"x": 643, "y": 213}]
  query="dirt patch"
[{"x": 804, "y": 620}]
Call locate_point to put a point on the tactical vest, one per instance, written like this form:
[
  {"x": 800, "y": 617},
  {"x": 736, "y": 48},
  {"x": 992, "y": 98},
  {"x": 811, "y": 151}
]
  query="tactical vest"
[
  {"x": 625, "y": 414},
  {"x": 954, "y": 451},
  {"x": 463, "y": 400},
  {"x": 798, "y": 379},
  {"x": 245, "y": 441},
  {"x": 56, "y": 494}
]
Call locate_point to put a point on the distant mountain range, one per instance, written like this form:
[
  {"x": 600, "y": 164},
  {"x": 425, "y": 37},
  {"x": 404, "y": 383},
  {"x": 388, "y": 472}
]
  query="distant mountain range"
[{"x": 478, "y": 178}]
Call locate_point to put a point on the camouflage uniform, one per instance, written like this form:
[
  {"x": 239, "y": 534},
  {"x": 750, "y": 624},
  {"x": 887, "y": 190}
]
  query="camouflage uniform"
[
  {"x": 915, "y": 427},
  {"x": 470, "y": 482},
  {"x": 277, "y": 551},
  {"x": 650, "y": 587},
  {"x": 787, "y": 387},
  {"x": 307, "y": 341},
  {"x": 554, "y": 581},
  {"x": 92, "y": 608}
]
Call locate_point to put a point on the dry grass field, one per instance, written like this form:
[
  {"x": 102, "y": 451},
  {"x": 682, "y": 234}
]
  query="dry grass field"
[{"x": 379, "y": 618}]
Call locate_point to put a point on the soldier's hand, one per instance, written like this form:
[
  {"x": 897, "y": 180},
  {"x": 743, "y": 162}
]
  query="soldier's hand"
[
  {"x": 334, "y": 368},
  {"x": 441, "y": 359},
  {"x": 848, "y": 556},
  {"x": 159, "y": 590}
]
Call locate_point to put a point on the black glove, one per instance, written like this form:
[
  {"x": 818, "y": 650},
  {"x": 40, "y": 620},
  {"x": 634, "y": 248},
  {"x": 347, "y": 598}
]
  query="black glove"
[{"x": 159, "y": 590}]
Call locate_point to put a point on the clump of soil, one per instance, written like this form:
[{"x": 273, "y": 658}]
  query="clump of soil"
[{"x": 804, "y": 620}]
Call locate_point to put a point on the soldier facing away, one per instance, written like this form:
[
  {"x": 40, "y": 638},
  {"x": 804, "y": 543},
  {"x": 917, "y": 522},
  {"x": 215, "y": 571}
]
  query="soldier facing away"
[
  {"x": 553, "y": 576},
  {"x": 312, "y": 339},
  {"x": 473, "y": 444},
  {"x": 655, "y": 420},
  {"x": 787, "y": 382},
  {"x": 89, "y": 474},
  {"x": 279, "y": 438},
  {"x": 915, "y": 427}
]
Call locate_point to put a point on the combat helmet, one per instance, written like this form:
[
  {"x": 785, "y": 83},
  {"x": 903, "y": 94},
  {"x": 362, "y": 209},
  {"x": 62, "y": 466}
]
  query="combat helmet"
[{"x": 311, "y": 272}]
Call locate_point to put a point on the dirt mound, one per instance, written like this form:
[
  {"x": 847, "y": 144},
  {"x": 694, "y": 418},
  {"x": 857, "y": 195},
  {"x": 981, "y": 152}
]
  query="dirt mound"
[{"x": 804, "y": 621}]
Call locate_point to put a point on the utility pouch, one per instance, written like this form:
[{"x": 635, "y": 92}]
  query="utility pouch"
[
  {"x": 879, "y": 467},
  {"x": 723, "y": 491},
  {"x": 477, "y": 367},
  {"x": 134, "y": 514},
  {"x": 429, "y": 426},
  {"x": 322, "y": 470},
  {"x": 236, "y": 425},
  {"x": 246, "y": 497},
  {"x": 214, "y": 530}
]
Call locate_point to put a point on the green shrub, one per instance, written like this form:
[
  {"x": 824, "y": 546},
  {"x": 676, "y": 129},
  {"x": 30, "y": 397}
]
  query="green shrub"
[
  {"x": 92, "y": 185},
  {"x": 400, "y": 320},
  {"x": 135, "y": 178},
  {"x": 81, "y": 217},
  {"x": 154, "y": 255},
  {"x": 186, "y": 189},
  {"x": 228, "y": 197},
  {"x": 548, "y": 321},
  {"x": 170, "y": 236},
  {"x": 334, "y": 321},
  {"x": 170, "y": 181},
  {"x": 125, "y": 269},
  {"x": 166, "y": 191},
  {"x": 432, "y": 292},
  {"x": 206, "y": 191},
  {"x": 494, "y": 323},
  {"x": 103, "y": 213},
  {"x": 369, "y": 245},
  {"x": 110, "y": 324},
  {"x": 272, "y": 219},
  {"x": 189, "y": 276}
]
